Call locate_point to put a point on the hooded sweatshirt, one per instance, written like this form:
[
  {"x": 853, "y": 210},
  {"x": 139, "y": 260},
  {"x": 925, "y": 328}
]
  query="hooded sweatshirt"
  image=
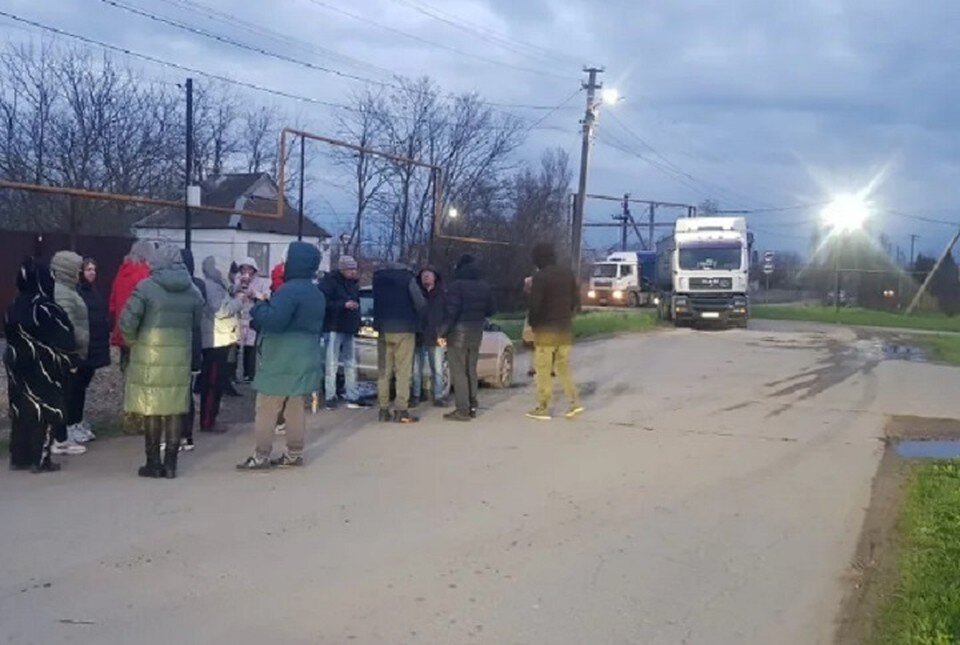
[
  {"x": 158, "y": 324},
  {"x": 554, "y": 299},
  {"x": 469, "y": 303},
  {"x": 220, "y": 326},
  {"x": 65, "y": 267}
]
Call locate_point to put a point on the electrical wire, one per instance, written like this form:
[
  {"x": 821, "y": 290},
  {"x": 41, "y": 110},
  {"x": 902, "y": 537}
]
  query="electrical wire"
[{"x": 432, "y": 43}]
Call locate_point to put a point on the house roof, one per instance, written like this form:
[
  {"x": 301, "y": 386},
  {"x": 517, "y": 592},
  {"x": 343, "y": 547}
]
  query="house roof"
[{"x": 225, "y": 191}]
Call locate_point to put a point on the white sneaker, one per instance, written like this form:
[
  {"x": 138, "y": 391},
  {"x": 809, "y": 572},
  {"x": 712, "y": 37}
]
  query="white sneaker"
[
  {"x": 186, "y": 445},
  {"x": 68, "y": 447},
  {"x": 76, "y": 434},
  {"x": 280, "y": 430},
  {"x": 87, "y": 430}
]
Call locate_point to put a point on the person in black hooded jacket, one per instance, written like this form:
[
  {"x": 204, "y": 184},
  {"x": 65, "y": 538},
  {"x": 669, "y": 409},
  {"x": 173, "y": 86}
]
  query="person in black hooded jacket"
[
  {"x": 196, "y": 357},
  {"x": 40, "y": 355},
  {"x": 468, "y": 305},
  {"x": 98, "y": 353}
]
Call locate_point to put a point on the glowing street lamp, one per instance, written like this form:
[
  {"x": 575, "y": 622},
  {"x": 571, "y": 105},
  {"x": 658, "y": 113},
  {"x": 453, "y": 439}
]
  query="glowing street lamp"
[
  {"x": 610, "y": 95},
  {"x": 844, "y": 214},
  {"x": 453, "y": 213}
]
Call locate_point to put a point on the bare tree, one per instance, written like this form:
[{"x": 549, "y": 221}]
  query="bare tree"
[{"x": 259, "y": 130}]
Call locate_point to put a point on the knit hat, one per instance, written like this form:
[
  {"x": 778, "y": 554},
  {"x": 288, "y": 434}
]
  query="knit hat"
[{"x": 347, "y": 263}]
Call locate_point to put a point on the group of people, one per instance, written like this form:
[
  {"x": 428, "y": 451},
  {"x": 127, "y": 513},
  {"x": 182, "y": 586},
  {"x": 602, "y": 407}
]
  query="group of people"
[{"x": 179, "y": 335}]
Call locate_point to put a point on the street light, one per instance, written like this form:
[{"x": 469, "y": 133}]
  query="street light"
[
  {"x": 844, "y": 214},
  {"x": 453, "y": 213},
  {"x": 610, "y": 95}
]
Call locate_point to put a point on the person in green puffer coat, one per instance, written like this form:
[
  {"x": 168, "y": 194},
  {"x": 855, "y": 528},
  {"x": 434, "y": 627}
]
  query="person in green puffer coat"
[
  {"x": 289, "y": 328},
  {"x": 157, "y": 324}
]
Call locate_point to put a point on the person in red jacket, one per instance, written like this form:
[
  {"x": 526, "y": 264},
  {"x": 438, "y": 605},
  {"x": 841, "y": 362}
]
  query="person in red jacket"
[{"x": 135, "y": 268}]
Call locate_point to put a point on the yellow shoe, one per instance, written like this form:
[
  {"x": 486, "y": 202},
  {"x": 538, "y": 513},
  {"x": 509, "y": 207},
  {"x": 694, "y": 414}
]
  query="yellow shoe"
[{"x": 574, "y": 411}]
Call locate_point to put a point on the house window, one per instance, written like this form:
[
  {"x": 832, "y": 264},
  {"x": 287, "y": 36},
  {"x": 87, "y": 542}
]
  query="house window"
[{"x": 260, "y": 252}]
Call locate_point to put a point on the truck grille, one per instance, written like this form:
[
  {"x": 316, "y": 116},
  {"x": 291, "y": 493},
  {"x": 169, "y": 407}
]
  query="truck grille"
[
  {"x": 602, "y": 284},
  {"x": 711, "y": 283}
]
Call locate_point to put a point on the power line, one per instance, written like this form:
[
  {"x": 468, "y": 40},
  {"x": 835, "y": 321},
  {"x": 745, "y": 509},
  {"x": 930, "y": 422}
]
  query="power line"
[
  {"x": 432, "y": 43},
  {"x": 482, "y": 33},
  {"x": 199, "y": 72},
  {"x": 554, "y": 110},
  {"x": 264, "y": 52}
]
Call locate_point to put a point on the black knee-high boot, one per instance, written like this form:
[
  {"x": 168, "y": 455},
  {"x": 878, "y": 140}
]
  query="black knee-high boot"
[
  {"x": 171, "y": 428},
  {"x": 153, "y": 431}
]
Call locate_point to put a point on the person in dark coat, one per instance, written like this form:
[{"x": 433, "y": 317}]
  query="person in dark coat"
[
  {"x": 397, "y": 305},
  {"x": 554, "y": 300},
  {"x": 98, "y": 354},
  {"x": 430, "y": 351},
  {"x": 468, "y": 305},
  {"x": 40, "y": 355},
  {"x": 342, "y": 291},
  {"x": 196, "y": 360}
]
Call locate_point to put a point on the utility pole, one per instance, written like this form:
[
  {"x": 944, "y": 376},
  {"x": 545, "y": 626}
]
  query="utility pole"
[
  {"x": 187, "y": 215},
  {"x": 589, "y": 118},
  {"x": 936, "y": 267},
  {"x": 913, "y": 241},
  {"x": 624, "y": 220},
  {"x": 650, "y": 217},
  {"x": 303, "y": 154}
]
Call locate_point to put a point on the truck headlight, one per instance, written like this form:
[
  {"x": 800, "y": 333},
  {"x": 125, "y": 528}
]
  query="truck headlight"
[
  {"x": 591, "y": 294},
  {"x": 656, "y": 300},
  {"x": 617, "y": 295}
]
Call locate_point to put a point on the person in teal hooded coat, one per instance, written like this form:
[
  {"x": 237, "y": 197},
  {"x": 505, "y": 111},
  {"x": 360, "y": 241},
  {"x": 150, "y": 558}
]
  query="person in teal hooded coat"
[{"x": 289, "y": 329}]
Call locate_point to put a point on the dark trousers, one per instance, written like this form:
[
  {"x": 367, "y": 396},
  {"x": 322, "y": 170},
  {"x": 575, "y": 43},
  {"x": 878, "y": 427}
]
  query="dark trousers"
[
  {"x": 30, "y": 438},
  {"x": 233, "y": 358},
  {"x": 214, "y": 375},
  {"x": 78, "y": 394},
  {"x": 463, "y": 375},
  {"x": 249, "y": 362},
  {"x": 188, "y": 418}
]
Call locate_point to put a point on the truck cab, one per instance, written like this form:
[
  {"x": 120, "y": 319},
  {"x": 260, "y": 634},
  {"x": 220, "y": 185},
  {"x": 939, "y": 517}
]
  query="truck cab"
[
  {"x": 705, "y": 266},
  {"x": 623, "y": 279}
]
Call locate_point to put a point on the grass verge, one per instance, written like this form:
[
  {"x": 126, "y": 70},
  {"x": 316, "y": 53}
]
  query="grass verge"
[
  {"x": 594, "y": 323},
  {"x": 925, "y": 605},
  {"x": 945, "y": 349},
  {"x": 857, "y": 316}
]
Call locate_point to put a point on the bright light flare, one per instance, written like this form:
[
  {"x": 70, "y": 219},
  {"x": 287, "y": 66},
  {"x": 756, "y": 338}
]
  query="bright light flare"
[
  {"x": 453, "y": 213},
  {"x": 846, "y": 213},
  {"x": 610, "y": 95}
]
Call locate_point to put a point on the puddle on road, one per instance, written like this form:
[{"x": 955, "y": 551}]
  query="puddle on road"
[
  {"x": 900, "y": 352},
  {"x": 929, "y": 449}
]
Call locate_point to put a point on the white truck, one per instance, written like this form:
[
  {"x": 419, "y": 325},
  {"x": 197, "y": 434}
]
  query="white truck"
[
  {"x": 625, "y": 278},
  {"x": 703, "y": 271}
]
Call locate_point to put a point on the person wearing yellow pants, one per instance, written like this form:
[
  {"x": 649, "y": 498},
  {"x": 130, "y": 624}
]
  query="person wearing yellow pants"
[{"x": 554, "y": 300}]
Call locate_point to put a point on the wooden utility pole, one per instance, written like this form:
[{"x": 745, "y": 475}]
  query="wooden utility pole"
[
  {"x": 187, "y": 214},
  {"x": 936, "y": 267},
  {"x": 589, "y": 118}
]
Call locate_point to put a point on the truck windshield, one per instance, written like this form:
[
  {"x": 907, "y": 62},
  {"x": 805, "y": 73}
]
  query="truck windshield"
[
  {"x": 716, "y": 255},
  {"x": 605, "y": 271}
]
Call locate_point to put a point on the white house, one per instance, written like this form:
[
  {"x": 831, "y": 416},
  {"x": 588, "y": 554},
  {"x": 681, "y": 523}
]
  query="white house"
[{"x": 232, "y": 237}]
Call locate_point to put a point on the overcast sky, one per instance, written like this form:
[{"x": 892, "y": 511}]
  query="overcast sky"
[{"x": 759, "y": 104}]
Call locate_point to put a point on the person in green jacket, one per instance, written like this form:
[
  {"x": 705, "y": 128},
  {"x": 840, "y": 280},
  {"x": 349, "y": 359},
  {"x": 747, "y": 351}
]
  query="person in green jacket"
[
  {"x": 289, "y": 328},
  {"x": 157, "y": 324},
  {"x": 65, "y": 267}
]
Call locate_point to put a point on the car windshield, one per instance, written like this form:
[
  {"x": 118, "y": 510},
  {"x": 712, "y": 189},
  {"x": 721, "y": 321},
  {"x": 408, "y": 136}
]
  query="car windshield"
[
  {"x": 724, "y": 256},
  {"x": 366, "y": 305},
  {"x": 605, "y": 271}
]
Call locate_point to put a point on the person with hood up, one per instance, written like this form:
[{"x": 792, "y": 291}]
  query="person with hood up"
[
  {"x": 196, "y": 354},
  {"x": 430, "y": 349},
  {"x": 289, "y": 327},
  {"x": 341, "y": 288},
  {"x": 39, "y": 357},
  {"x": 98, "y": 354},
  {"x": 157, "y": 324},
  {"x": 134, "y": 269},
  {"x": 554, "y": 300},
  {"x": 219, "y": 331},
  {"x": 249, "y": 287},
  {"x": 397, "y": 306},
  {"x": 469, "y": 303},
  {"x": 65, "y": 267}
]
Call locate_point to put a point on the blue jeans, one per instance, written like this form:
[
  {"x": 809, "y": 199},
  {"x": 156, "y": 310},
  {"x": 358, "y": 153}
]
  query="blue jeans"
[
  {"x": 341, "y": 349},
  {"x": 422, "y": 357}
]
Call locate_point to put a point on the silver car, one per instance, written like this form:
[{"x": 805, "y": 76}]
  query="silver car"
[{"x": 495, "y": 367}]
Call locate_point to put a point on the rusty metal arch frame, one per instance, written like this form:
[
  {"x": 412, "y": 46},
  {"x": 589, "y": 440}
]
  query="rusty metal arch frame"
[{"x": 436, "y": 230}]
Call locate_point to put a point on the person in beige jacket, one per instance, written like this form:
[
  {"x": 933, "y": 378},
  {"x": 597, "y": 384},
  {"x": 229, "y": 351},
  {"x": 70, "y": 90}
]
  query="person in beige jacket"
[{"x": 65, "y": 267}]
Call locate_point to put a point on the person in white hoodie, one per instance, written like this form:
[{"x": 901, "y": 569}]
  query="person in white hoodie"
[
  {"x": 219, "y": 328},
  {"x": 249, "y": 287}
]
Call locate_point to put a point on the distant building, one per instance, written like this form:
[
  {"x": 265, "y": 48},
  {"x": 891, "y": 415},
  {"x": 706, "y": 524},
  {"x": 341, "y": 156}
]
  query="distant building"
[{"x": 231, "y": 237}]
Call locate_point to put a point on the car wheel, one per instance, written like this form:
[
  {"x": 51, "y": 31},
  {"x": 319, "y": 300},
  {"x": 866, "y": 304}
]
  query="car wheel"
[
  {"x": 447, "y": 386},
  {"x": 633, "y": 300},
  {"x": 505, "y": 370}
]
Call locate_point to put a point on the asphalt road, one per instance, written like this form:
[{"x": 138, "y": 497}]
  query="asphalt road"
[{"x": 712, "y": 493}]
